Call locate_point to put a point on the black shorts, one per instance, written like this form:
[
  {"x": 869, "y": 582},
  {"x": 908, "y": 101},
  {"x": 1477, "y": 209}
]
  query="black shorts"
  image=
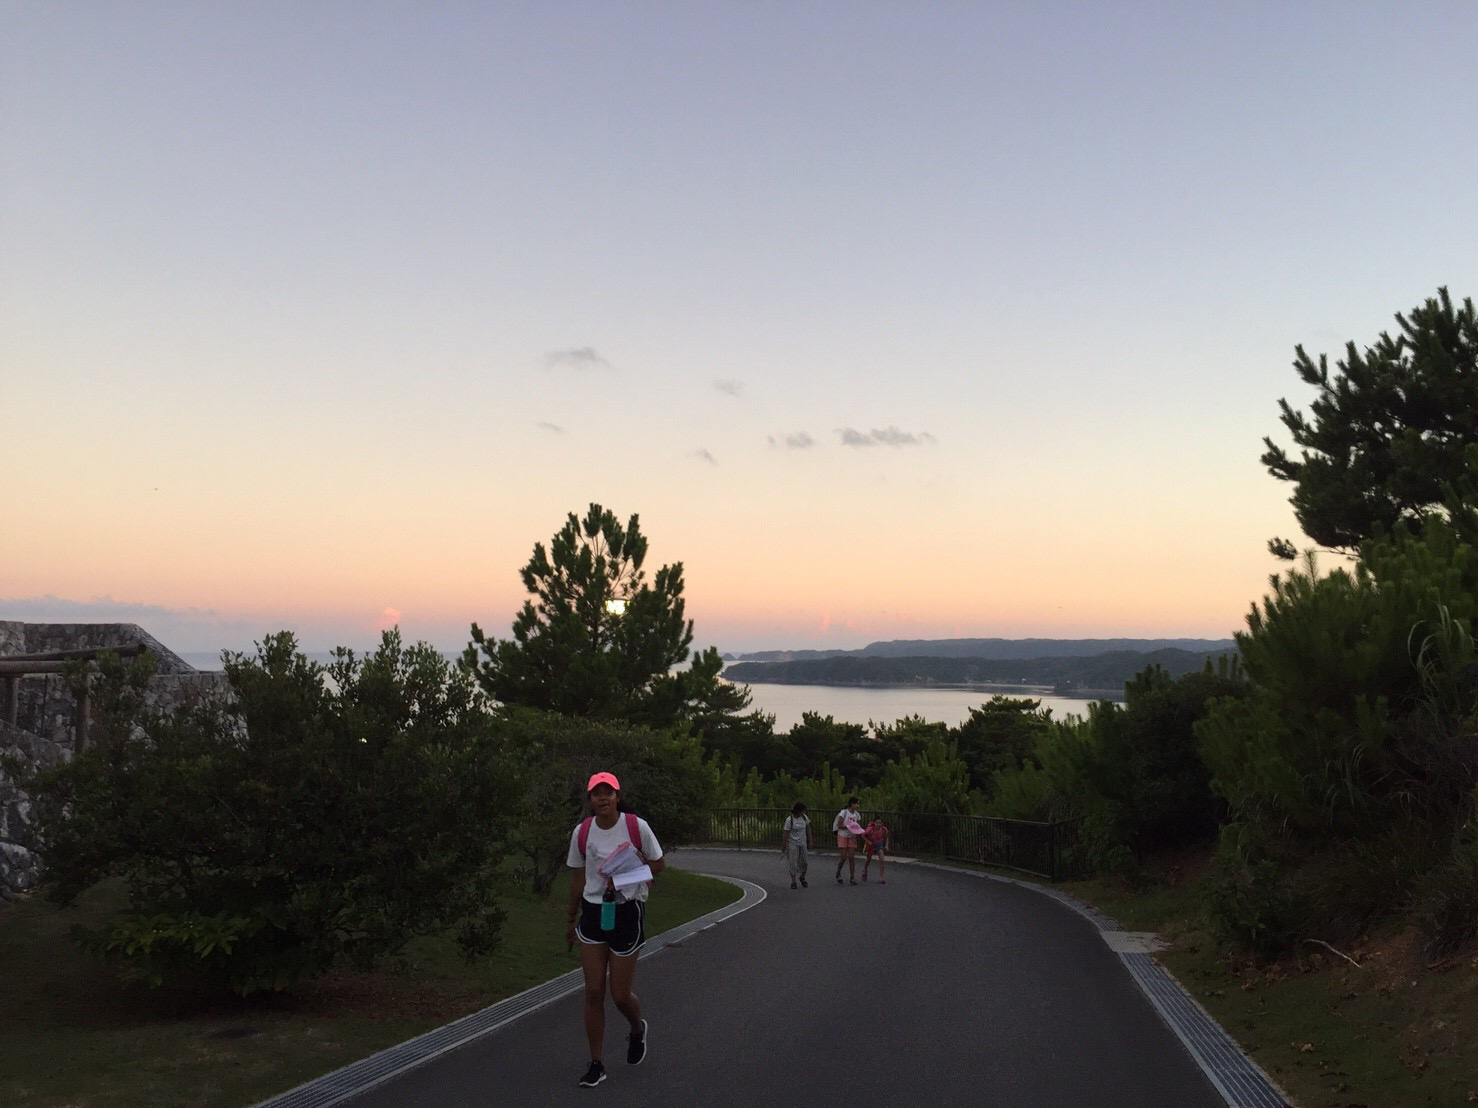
[{"x": 625, "y": 938}]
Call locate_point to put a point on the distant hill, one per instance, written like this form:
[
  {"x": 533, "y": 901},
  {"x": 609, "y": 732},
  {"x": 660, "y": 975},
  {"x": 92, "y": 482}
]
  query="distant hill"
[
  {"x": 995, "y": 648},
  {"x": 1094, "y": 666},
  {"x": 1038, "y": 648}
]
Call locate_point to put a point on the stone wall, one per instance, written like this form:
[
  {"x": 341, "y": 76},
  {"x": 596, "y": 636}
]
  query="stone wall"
[
  {"x": 20, "y": 751},
  {"x": 41, "y": 638},
  {"x": 45, "y": 733}
]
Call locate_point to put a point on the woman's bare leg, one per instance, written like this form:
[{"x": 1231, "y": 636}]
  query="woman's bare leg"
[
  {"x": 593, "y": 960},
  {"x": 623, "y": 972}
]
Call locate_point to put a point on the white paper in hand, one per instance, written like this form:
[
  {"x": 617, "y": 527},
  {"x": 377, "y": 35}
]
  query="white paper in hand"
[
  {"x": 629, "y": 877},
  {"x": 624, "y": 857}
]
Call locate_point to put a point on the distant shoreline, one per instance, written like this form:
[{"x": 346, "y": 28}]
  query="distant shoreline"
[{"x": 968, "y": 686}]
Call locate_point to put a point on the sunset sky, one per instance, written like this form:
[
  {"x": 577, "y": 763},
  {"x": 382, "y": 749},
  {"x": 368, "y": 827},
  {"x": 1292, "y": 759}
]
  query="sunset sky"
[{"x": 892, "y": 320}]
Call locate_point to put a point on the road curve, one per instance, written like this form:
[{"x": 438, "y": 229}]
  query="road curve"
[{"x": 936, "y": 988}]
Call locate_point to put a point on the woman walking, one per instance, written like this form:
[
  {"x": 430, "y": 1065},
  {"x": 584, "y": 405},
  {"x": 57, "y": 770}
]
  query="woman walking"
[
  {"x": 843, "y": 825},
  {"x": 609, "y": 921},
  {"x": 795, "y": 839}
]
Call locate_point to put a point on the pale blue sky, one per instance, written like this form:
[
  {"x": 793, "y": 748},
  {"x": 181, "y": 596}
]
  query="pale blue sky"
[{"x": 320, "y": 315}]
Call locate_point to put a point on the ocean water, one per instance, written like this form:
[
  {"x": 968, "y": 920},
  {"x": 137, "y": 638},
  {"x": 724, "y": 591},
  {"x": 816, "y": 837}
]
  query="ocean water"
[
  {"x": 845, "y": 704},
  {"x": 887, "y": 705}
]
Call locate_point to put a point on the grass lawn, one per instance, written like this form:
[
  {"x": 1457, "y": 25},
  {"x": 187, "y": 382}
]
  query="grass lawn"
[
  {"x": 71, "y": 1035},
  {"x": 1392, "y": 1033}
]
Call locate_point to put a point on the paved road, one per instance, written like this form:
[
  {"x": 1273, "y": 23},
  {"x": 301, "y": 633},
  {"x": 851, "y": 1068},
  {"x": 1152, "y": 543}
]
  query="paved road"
[{"x": 936, "y": 988}]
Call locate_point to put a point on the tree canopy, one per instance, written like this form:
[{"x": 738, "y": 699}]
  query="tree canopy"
[
  {"x": 303, "y": 823},
  {"x": 597, "y": 639},
  {"x": 1388, "y": 433}
]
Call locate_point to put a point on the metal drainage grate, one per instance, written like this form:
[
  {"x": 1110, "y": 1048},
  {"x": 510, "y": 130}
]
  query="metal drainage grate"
[{"x": 1239, "y": 1080}]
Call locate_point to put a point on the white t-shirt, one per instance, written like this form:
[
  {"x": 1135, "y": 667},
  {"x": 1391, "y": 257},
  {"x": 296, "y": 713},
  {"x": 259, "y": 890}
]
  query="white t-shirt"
[
  {"x": 795, "y": 827},
  {"x": 839, "y": 825},
  {"x": 600, "y": 845}
]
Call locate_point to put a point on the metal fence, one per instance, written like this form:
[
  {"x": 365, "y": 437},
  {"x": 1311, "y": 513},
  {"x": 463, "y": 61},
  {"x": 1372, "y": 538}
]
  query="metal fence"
[{"x": 1050, "y": 850}]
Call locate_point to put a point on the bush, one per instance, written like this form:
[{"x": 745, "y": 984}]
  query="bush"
[
  {"x": 1354, "y": 755},
  {"x": 1246, "y": 899},
  {"x": 1001, "y": 734},
  {"x": 935, "y": 780},
  {"x": 263, "y": 841},
  {"x": 1447, "y": 897}
]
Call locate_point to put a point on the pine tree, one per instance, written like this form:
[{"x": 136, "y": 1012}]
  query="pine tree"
[{"x": 1387, "y": 434}]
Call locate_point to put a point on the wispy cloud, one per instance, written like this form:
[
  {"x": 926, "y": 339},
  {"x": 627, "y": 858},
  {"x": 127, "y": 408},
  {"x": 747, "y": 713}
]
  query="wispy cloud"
[
  {"x": 728, "y": 387},
  {"x": 552, "y": 428},
  {"x": 579, "y": 358},
  {"x": 61, "y": 609},
  {"x": 886, "y": 436},
  {"x": 892, "y": 436},
  {"x": 706, "y": 456},
  {"x": 795, "y": 440}
]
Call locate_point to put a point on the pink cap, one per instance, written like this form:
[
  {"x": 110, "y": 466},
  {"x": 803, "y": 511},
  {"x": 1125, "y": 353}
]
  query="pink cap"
[{"x": 603, "y": 779}]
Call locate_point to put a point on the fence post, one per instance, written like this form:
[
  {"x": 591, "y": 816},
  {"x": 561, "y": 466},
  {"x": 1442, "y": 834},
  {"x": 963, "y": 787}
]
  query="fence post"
[{"x": 1052, "y": 850}]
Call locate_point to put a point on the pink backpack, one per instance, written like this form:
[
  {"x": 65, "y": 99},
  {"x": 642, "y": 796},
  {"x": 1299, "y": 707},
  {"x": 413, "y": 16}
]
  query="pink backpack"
[{"x": 633, "y": 831}]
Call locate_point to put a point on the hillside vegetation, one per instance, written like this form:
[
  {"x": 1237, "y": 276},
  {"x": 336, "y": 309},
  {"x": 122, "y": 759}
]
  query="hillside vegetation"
[{"x": 1108, "y": 670}]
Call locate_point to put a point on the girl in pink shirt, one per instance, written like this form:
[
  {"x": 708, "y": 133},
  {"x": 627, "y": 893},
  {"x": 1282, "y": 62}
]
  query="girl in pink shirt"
[{"x": 875, "y": 835}]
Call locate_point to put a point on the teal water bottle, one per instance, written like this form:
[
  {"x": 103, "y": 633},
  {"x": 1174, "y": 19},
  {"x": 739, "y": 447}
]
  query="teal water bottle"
[{"x": 608, "y": 910}]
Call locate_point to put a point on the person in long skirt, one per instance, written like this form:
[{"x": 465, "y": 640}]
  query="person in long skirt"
[{"x": 796, "y": 839}]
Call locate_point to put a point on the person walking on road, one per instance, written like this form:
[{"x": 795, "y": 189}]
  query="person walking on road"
[
  {"x": 609, "y": 921},
  {"x": 848, "y": 830},
  {"x": 875, "y": 835},
  {"x": 795, "y": 839}
]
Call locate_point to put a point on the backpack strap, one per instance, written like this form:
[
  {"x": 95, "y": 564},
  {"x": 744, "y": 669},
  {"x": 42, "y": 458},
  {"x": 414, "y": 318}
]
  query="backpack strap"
[{"x": 633, "y": 832}]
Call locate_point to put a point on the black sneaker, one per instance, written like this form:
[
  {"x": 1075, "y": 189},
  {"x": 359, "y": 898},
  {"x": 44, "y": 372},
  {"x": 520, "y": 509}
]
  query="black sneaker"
[
  {"x": 593, "y": 1076},
  {"x": 636, "y": 1046}
]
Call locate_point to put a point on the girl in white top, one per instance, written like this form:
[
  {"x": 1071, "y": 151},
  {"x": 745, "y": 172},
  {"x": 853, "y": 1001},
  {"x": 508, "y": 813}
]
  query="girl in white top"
[
  {"x": 609, "y": 951},
  {"x": 846, "y": 840}
]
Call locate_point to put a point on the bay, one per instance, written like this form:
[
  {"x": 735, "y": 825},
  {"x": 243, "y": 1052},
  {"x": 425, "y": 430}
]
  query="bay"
[{"x": 864, "y": 705}]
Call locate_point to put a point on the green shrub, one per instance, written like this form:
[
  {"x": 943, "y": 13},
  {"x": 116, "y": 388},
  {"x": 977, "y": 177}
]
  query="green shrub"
[
  {"x": 1447, "y": 897},
  {"x": 264, "y": 840},
  {"x": 1341, "y": 890},
  {"x": 1354, "y": 754},
  {"x": 1246, "y": 899}
]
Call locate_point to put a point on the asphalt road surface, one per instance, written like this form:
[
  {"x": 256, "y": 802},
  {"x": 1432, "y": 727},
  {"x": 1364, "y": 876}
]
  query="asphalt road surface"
[{"x": 934, "y": 989}]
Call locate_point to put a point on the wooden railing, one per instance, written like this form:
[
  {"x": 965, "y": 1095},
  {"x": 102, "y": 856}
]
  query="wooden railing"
[{"x": 15, "y": 666}]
